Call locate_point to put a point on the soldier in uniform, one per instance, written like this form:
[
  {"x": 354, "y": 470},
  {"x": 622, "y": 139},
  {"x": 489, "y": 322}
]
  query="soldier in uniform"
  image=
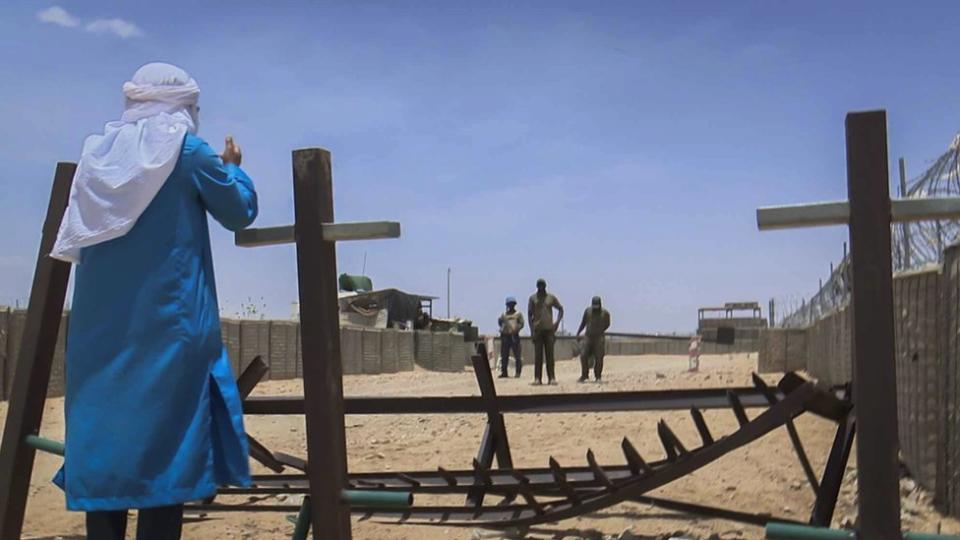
[
  {"x": 511, "y": 322},
  {"x": 595, "y": 320},
  {"x": 543, "y": 329}
]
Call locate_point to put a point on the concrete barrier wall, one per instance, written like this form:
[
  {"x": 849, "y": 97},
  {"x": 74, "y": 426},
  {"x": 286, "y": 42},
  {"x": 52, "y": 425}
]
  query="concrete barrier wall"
[
  {"x": 230, "y": 333},
  {"x": 949, "y": 465},
  {"x": 389, "y": 353},
  {"x": 254, "y": 341},
  {"x": 368, "y": 351},
  {"x": 621, "y": 346},
  {"x": 351, "y": 350},
  {"x": 371, "y": 351},
  {"x": 406, "y": 349},
  {"x": 781, "y": 350},
  {"x": 282, "y": 354},
  {"x": 927, "y": 355}
]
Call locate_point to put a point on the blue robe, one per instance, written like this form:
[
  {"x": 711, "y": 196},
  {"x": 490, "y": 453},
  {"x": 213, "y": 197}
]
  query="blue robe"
[{"x": 153, "y": 415}]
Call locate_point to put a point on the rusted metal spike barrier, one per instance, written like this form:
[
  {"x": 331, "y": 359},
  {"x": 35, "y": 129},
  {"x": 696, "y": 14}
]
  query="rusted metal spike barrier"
[
  {"x": 482, "y": 474},
  {"x": 524, "y": 516},
  {"x": 670, "y": 440},
  {"x": 590, "y": 402},
  {"x": 561, "y": 479},
  {"x": 264, "y": 456},
  {"x": 251, "y": 376},
  {"x": 451, "y": 479},
  {"x": 794, "y": 436},
  {"x": 583, "y": 489},
  {"x": 634, "y": 460},
  {"x": 737, "y": 407},
  {"x": 291, "y": 461},
  {"x": 702, "y": 428},
  {"x": 523, "y": 486},
  {"x": 406, "y": 478},
  {"x": 598, "y": 471}
]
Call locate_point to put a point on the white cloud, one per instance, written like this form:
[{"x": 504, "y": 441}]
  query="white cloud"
[
  {"x": 58, "y": 16},
  {"x": 119, "y": 27}
]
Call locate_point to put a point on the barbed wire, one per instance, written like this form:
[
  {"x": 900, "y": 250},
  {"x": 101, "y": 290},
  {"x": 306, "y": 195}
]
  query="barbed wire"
[{"x": 913, "y": 245}]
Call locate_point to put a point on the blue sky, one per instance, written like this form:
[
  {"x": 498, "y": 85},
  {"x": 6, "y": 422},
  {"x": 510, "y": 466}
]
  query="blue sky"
[{"x": 614, "y": 148}]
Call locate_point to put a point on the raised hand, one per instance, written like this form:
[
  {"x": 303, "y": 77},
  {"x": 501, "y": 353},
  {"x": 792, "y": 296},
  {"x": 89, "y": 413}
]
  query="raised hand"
[{"x": 231, "y": 152}]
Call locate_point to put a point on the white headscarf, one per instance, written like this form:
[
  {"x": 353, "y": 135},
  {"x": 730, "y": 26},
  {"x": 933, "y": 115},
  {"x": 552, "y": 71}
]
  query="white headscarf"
[{"x": 122, "y": 170}]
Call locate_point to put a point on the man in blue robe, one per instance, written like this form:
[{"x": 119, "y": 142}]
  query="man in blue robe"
[{"x": 153, "y": 414}]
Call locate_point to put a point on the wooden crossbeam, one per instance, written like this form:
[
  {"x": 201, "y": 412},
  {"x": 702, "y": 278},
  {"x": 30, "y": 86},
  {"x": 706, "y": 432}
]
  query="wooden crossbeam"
[
  {"x": 869, "y": 214},
  {"x": 820, "y": 214},
  {"x": 332, "y": 232}
]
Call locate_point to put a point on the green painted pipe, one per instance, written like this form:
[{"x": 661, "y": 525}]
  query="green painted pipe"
[
  {"x": 372, "y": 497},
  {"x": 353, "y": 497},
  {"x": 788, "y": 531},
  {"x": 785, "y": 531},
  {"x": 302, "y": 525},
  {"x": 45, "y": 445}
]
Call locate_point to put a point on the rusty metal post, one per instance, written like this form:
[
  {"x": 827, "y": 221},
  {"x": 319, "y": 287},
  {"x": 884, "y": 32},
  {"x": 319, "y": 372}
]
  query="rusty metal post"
[
  {"x": 494, "y": 442},
  {"x": 875, "y": 374},
  {"x": 32, "y": 375},
  {"x": 320, "y": 342}
]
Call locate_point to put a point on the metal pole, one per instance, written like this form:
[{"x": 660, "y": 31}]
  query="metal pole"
[
  {"x": 32, "y": 374},
  {"x": 904, "y": 228},
  {"x": 874, "y": 380},
  {"x": 320, "y": 342}
]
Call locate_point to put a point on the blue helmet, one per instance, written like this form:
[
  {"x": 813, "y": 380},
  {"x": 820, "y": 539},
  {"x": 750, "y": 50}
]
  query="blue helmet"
[{"x": 511, "y": 300}]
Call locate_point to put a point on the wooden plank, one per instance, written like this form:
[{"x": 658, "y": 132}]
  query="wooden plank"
[
  {"x": 332, "y": 232},
  {"x": 32, "y": 373},
  {"x": 320, "y": 341},
  {"x": 819, "y": 214},
  {"x": 18, "y": 321},
  {"x": 875, "y": 377},
  {"x": 793, "y": 216}
]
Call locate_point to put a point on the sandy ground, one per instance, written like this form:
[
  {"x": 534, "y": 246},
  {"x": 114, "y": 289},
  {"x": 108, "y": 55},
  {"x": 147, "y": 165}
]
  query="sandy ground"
[{"x": 762, "y": 477}]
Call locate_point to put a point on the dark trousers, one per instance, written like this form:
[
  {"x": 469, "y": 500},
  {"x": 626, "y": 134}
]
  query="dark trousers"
[
  {"x": 161, "y": 523},
  {"x": 543, "y": 347},
  {"x": 593, "y": 347},
  {"x": 508, "y": 343}
]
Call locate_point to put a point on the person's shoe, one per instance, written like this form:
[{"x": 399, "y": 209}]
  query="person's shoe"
[
  {"x": 552, "y": 381},
  {"x": 598, "y": 380},
  {"x": 582, "y": 380},
  {"x": 503, "y": 375},
  {"x": 517, "y": 374},
  {"x": 537, "y": 382}
]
